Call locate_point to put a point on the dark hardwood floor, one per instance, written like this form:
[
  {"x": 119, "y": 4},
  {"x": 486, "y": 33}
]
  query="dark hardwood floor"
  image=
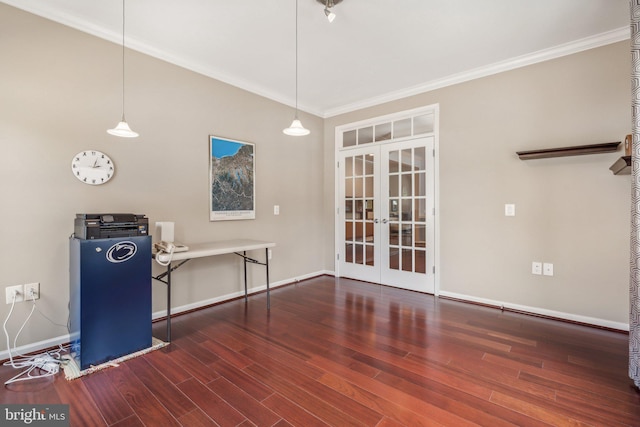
[{"x": 337, "y": 352}]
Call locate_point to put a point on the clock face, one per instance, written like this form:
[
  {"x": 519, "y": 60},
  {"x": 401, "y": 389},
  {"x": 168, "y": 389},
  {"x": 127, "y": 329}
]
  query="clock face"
[{"x": 92, "y": 167}]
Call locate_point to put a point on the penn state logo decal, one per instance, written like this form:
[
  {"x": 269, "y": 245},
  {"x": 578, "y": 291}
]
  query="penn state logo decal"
[{"x": 121, "y": 251}]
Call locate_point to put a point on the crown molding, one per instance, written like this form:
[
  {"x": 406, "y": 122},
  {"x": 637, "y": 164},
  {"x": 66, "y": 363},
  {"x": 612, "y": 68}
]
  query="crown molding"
[{"x": 565, "y": 49}]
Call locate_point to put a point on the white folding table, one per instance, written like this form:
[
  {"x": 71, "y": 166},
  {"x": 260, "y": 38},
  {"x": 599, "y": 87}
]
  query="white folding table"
[{"x": 201, "y": 250}]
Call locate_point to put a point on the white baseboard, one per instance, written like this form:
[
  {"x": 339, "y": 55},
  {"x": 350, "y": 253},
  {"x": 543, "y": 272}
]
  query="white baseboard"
[
  {"x": 36, "y": 346},
  {"x": 539, "y": 311},
  {"x": 64, "y": 339}
]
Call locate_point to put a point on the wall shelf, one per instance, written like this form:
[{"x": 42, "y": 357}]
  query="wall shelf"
[
  {"x": 622, "y": 166},
  {"x": 578, "y": 150}
]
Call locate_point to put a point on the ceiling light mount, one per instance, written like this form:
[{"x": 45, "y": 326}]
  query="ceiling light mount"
[{"x": 328, "y": 5}]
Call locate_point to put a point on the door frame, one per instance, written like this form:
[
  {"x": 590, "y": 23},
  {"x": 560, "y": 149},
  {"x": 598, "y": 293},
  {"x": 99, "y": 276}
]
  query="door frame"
[{"x": 339, "y": 130}]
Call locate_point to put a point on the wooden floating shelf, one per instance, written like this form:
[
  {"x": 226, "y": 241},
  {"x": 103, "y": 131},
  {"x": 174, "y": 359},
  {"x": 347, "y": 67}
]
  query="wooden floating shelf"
[
  {"x": 578, "y": 150},
  {"x": 622, "y": 166}
]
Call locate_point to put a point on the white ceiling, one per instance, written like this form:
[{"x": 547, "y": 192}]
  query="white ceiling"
[{"x": 374, "y": 51}]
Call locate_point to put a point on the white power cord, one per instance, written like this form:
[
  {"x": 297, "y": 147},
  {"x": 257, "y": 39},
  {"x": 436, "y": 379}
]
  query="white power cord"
[{"x": 42, "y": 365}]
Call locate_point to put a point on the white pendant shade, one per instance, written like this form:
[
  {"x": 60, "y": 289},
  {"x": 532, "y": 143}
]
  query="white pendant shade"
[
  {"x": 296, "y": 129},
  {"x": 329, "y": 14},
  {"x": 123, "y": 130}
]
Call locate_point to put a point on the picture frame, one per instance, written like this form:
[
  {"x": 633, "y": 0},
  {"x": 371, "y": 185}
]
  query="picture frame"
[{"x": 232, "y": 190}]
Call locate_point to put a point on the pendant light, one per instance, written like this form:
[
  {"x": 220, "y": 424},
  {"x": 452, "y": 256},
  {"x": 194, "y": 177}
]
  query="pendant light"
[
  {"x": 122, "y": 129},
  {"x": 296, "y": 128}
]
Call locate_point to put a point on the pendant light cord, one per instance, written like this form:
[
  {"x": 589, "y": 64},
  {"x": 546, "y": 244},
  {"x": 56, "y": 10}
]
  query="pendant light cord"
[
  {"x": 296, "y": 116},
  {"x": 123, "y": 17}
]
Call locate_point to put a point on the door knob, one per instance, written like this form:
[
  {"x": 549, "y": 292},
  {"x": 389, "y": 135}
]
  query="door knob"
[{"x": 384, "y": 221}]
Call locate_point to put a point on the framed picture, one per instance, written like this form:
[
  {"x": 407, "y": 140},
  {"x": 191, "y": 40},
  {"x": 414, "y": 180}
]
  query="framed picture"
[{"x": 232, "y": 190}]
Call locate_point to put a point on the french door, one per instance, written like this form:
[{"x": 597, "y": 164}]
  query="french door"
[{"x": 386, "y": 218}]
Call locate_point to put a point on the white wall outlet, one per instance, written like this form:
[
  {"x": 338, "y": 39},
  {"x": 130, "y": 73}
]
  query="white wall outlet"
[
  {"x": 536, "y": 267},
  {"x": 547, "y": 269},
  {"x": 509, "y": 209},
  {"x": 10, "y": 290},
  {"x": 31, "y": 291},
  {"x": 276, "y": 209}
]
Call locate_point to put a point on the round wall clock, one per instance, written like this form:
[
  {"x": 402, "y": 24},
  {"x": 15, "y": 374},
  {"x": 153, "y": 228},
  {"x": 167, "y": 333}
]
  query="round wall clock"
[{"x": 92, "y": 167}]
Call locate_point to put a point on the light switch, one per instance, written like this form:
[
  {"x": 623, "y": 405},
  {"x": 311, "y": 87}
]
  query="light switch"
[
  {"x": 276, "y": 209},
  {"x": 509, "y": 209}
]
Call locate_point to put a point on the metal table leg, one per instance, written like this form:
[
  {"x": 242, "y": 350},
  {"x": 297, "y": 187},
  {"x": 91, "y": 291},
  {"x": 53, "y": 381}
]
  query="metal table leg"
[{"x": 169, "y": 302}]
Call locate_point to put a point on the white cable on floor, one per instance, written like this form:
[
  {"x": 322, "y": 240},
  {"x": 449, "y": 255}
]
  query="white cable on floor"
[{"x": 45, "y": 364}]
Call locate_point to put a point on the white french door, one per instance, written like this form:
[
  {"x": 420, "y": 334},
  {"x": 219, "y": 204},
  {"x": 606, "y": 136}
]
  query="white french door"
[{"x": 386, "y": 217}]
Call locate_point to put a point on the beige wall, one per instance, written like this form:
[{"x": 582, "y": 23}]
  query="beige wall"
[
  {"x": 572, "y": 211},
  {"x": 60, "y": 90}
]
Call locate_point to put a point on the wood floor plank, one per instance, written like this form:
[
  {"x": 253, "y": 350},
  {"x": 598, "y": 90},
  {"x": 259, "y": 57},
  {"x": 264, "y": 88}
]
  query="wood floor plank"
[
  {"x": 291, "y": 413},
  {"x": 193, "y": 365},
  {"x": 146, "y": 406},
  {"x": 196, "y": 418},
  {"x": 405, "y": 399},
  {"x": 401, "y": 414},
  {"x": 245, "y": 382},
  {"x": 302, "y": 398},
  {"x": 111, "y": 403},
  {"x": 83, "y": 410},
  {"x": 211, "y": 404},
  {"x": 162, "y": 362},
  {"x": 132, "y": 421},
  {"x": 536, "y": 412},
  {"x": 171, "y": 398},
  {"x": 244, "y": 403}
]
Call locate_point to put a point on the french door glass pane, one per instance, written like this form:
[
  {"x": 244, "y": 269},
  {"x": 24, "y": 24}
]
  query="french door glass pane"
[
  {"x": 406, "y": 160},
  {"x": 407, "y": 260},
  {"x": 349, "y": 138},
  {"x": 370, "y": 254},
  {"x": 423, "y": 124},
  {"x": 420, "y": 210},
  {"x": 359, "y": 255},
  {"x": 406, "y": 210},
  {"x": 365, "y": 135},
  {"x": 368, "y": 186},
  {"x": 421, "y": 261},
  {"x": 420, "y": 233},
  {"x": 383, "y": 132},
  {"x": 394, "y": 234},
  {"x": 368, "y": 165},
  {"x": 394, "y": 160},
  {"x": 393, "y": 186},
  {"x": 402, "y": 128}
]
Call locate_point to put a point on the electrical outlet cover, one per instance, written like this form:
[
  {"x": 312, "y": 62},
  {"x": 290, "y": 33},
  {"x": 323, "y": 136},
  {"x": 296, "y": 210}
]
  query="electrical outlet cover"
[
  {"x": 28, "y": 288},
  {"x": 536, "y": 267},
  {"x": 9, "y": 292}
]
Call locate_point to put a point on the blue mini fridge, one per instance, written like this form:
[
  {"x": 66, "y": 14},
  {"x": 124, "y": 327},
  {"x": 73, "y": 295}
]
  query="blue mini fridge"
[{"x": 110, "y": 298}]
